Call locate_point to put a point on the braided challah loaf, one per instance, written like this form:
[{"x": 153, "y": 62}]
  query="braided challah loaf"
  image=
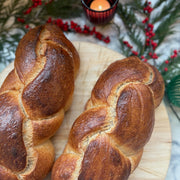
[
  {"x": 106, "y": 141},
  {"x": 33, "y": 99}
]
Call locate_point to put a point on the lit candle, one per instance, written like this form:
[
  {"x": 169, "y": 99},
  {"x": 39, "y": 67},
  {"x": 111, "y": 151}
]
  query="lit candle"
[{"x": 100, "y": 5}]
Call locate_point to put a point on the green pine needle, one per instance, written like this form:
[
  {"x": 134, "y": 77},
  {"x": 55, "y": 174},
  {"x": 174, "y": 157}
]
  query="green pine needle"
[
  {"x": 166, "y": 26},
  {"x": 173, "y": 69},
  {"x": 173, "y": 91},
  {"x": 64, "y": 9},
  {"x": 39, "y": 15},
  {"x": 159, "y": 3}
]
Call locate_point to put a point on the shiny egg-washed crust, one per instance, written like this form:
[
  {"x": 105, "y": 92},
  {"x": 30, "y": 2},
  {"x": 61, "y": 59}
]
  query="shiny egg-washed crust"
[
  {"x": 106, "y": 141},
  {"x": 33, "y": 99}
]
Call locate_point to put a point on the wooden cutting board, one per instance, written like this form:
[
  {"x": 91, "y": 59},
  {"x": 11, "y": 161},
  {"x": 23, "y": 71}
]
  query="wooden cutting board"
[{"x": 94, "y": 60}]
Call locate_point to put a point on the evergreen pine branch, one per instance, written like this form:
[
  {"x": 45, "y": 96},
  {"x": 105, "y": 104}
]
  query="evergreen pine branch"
[
  {"x": 133, "y": 27},
  {"x": 64, "y": 9},
  {"x": 128, "y": 12},
  {"x": 1, "y": 4},
  {"x": 166, "y": 10},
  {"x": 8, "y": 40},
  {"x": 135, "y": 5},
  {"x": 137, "y": 39},
  {"x": 38, "y": 15},
  {"x": 173, "y": 66},
  {"x": 12, "y": 9},
  {"x": 124, "y": 49},
  {"x": 159, "y": 3},
  {"x": 166, "y": 27},
  {"x": 8, "y": 47},
  {"x": 128, "y": 17}
]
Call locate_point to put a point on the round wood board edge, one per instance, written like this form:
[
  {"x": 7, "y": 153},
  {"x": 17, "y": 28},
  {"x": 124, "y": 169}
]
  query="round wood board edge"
[{"x": 94, "y": 60}]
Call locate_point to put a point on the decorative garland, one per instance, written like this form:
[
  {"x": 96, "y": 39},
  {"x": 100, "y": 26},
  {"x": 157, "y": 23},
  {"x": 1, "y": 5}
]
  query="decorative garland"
[{"x": 74, "y": 27}]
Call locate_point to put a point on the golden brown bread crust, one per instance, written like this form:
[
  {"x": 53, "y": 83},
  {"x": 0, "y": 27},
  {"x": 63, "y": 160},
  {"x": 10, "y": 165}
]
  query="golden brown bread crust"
[
  {"x": 106, "y": 141},
  {"x": 33, "y": 99}
]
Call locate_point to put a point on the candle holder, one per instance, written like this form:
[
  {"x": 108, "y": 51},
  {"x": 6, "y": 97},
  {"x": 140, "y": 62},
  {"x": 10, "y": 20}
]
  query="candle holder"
[{"x": 99, "y": 17}]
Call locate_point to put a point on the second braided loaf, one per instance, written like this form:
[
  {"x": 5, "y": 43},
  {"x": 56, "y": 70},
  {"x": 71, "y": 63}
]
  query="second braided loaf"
[{"x": 106, "y": 141}]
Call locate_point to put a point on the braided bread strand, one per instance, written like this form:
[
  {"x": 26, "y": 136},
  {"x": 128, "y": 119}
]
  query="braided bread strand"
[
  {"x": 33, "y": 99},
  {"x": 106, "y": 141}
]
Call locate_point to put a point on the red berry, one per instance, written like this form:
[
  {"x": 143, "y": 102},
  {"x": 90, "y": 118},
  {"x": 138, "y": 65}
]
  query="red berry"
[
  {"x": 167, "y": 62},
  {"x": 145, "y": 60},
  {"x": 175, "y": 51},
  {"x": 135, "y": 53}
]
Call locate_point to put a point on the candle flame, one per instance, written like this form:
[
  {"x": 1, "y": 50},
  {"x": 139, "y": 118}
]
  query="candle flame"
[{"x": 100, "y": 5}]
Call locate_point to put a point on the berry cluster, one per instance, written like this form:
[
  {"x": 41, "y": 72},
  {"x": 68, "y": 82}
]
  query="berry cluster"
[
  {"x": 74, "y": 27},
  {"x": 21, "y": 20},
  {"x": 170, "y": 60},
  {"x": 128, "y": 45},
  {"x": 144, "y": 59},
  {"x": 148, "y": 9},
  {"x": 149, "y": 33},
  {"x": 150, "y": 44},
  {"x": 34, "y": 5}
]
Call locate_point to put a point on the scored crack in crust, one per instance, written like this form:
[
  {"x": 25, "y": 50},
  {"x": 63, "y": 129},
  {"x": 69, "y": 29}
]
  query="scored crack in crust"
[
  {"x": 106, "y": 141},
  {"x": 33, "y": 99}
]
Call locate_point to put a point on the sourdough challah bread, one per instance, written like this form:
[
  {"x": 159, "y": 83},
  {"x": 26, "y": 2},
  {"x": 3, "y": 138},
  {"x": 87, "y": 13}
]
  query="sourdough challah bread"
[
  {"x": 106, "y": 141},
  {"x": 33, "y": 99}
]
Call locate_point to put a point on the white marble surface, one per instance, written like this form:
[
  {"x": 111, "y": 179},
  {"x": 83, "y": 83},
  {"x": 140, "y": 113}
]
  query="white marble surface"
[
  {"x": 174, "y": 167},
  {"x": 111, "y": 30}
]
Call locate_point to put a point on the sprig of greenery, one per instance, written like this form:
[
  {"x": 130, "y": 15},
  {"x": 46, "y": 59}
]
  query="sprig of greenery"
[
  {"x": 8, "y": 12},
  {"x": 128, "y": 17},
  {"x": 166, "y": 9},
  {"x": 167, "y": 13},
  {"x": 64, "y": 9},
  {"x": 131, "y": 15},
  {"x": 173, "y": 69},
  {"x": 9, "y": 39},
  {"x": 14, "y": 9}
]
